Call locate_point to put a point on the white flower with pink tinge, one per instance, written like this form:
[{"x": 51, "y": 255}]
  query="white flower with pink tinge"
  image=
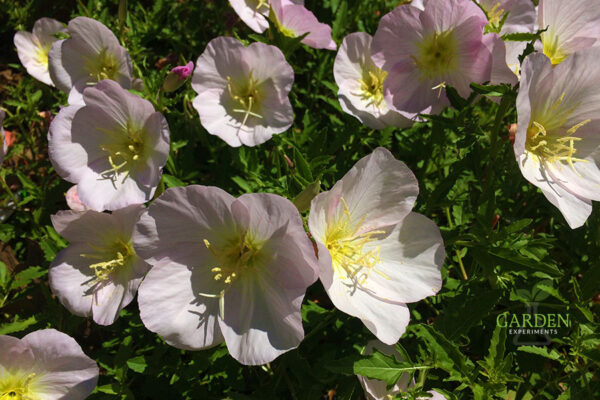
[
  {"x": 92, "y": 53},
  {"x": 360, "y": 84},
  {"x": 294, "y": 20},
  {"x": 33, "y": 47},
  {"x": 572, "y": 26},
  {"x": 424, "y": 51},
  {"x": 225, "y": 269},
  {"x": 375, "y": 255},
  {"x": 113, "y": 146},
  {"x": 243, "y": 91},
  {"x": 557, "y": 142},
  {"x": 45, "y": 364},
  {"x": 98, "y": 274}
]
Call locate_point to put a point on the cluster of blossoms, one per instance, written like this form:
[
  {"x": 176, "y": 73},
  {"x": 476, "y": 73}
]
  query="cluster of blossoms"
[{"x": 212, "y": 268}]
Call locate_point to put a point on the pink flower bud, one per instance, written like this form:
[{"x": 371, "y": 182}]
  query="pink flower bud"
[
  {"x": 177, "y": 76},
  {"x": 73, "y": 200}
]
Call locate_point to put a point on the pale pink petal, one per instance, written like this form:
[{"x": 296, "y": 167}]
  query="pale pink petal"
[
  {"x": 14, "y": 353},
  {"x": 575, "y": 209},
  {"x": 251, "y": 14},
  {"x": 411, "y": 259},
  {"x": 66, "y": 373},
  {"x": 297, "y": 19},
  {"x": 170, "y": 305}
]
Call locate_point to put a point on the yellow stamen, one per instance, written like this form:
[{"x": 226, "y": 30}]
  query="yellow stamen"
[
  {"x": 121, "y": 253},
  {"x": 247, "y": 96},
  {"x": 240, "y": 255},
  {"x": 371, "y": 86},
  {"x": 18, "y": 386},
  {"x": 347, "y": 248},
  {"x": 551, "y": 148}
]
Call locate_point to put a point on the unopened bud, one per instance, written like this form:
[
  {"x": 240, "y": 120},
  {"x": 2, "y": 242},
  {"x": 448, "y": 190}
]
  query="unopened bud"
[
  {"x": 177, "y": 77},
  {"x": 302, "y": 201}
]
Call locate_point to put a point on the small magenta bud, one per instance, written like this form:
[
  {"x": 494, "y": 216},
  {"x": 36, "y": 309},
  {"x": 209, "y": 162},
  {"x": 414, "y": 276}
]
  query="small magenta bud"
[{"x": 177, "y": 77}]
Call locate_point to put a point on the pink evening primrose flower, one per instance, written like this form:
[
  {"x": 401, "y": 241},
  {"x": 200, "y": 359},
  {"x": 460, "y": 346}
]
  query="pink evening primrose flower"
[
  {"x": 33, "y": 47},
  {"x": 73, "y": 200},
  {"x": 572, "y": 25},
  {"x": 225, "y": 269},
  {"x": 423, "y": 51},
  {"x": 99, "y": 273},
  {"x": 243, "y": 91},
  {"x": 255, "y": 13},
  {"x": 377, "y": 390},
  {"x": 45, "y": 364},
  {"x": 557, "y": 139},
  {"x": 360, "y": 84},
  {"x": 113, "y": 146},
  {"x": 375, "y": 255},
  {"x": 294, "y": 20},
  {"x": 177, "y": 77},
  {"x": 92, "y": 54}
]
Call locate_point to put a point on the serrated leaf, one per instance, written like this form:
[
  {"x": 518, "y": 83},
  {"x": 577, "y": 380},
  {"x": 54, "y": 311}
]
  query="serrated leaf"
[
  {"x": 446, "y": 354},
  {"x": 23, "y": 278},
  {"x": 541, "y": 351},
  {"x": 17, "y": 325}
]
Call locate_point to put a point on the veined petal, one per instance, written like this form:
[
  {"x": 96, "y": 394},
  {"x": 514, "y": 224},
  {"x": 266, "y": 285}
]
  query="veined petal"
[
  {"x": 261, "y": 320},
  {"x": 65, "y": 372},
  {"x": 252, "y": 15},
  {"x": 575, "y": 209},
  {"x": 171, "y": 306},
  {"x": 411, "y": 259}
]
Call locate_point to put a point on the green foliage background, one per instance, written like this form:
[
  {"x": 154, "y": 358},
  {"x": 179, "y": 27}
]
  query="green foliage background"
[{"x": 513, "y": 245}]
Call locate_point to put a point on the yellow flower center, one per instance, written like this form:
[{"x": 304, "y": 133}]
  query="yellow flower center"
[
  {"x": 234, "y": 258},
  {"x": 119, "y": 255},
  {"x": 545, "y": 137},
  {"x": 41, "y": 55},
  {"x": 349, "y": 257},
  {"x": 18, "y": 386},
  {"x": 104, "y": 66},
  {"x": 495, "y": 15},
  {"x": 246, "y": 96},
  {"x": 371, "y": 86},
  {"x": 262, "y": 3},
  {"x": 124, "y": 150},
  {"x": 437, "y": 55},
  {"x": 551, "y": 48}
]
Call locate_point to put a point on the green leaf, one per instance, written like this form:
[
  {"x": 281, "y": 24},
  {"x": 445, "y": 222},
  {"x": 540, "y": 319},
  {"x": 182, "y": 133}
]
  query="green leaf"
[
  {"x": 137, "y": 364},
  {"x": 23, "y": 278},
  {"x": 520, "y": 37},
  {"x": 172, "y": 181},
  {"x": 541, "y": 351},
  {"x": 384, "y": 368},
  {"x": 446, "y": 355},
  {"x": 302, "y": 166},
  {"x": 17, "y": 325}
]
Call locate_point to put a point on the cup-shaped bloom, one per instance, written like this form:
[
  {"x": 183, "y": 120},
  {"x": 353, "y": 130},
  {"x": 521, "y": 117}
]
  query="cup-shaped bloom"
[
  {"x": 375, "y": 255},
  {"x": 243, "y": 91},
  {"x": 99, "y": 272},
  {"x": 360, "y": 84},
  {"x": 225, "y": 269},
  {"x": 92, "y": 54},
  {"x": 294, "y": 20},
  {"x": 254, "y": 13},
  {"x": 33, "y": 47},
  {"x": 572, "y": 25},
  {"x": 423, "y": 51},
  {"x": 558, "y": 137},
  {"x": 113, "y": 146},
  {"x": 177, "y": 77},
  {"x": 45, "y": 364}
]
